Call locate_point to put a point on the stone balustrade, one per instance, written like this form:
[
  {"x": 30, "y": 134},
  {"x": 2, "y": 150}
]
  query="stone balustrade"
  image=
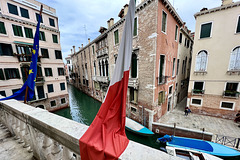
[{"x": 51, "y": 137}]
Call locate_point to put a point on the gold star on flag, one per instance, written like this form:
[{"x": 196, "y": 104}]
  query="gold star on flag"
[
  {"x": 30, "y": 71},
  {"x": 33, "y": 51},
  {"x": 35, "y": 80}
]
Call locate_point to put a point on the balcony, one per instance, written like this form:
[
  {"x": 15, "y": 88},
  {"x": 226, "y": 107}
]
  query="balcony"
[
  {"x": 233, "y": 72},
  {"x": 231, "y": 94},
  {"x": 40, "y": 80},
  {"x": 102, "y": 52},
  {"x": 101, "y": 79},
  {"x": 25, "y": 57},
  {"x": 133, "y": 82},
  {"x": 197, "y": 92},
  {"x": 162, "y": 80}
]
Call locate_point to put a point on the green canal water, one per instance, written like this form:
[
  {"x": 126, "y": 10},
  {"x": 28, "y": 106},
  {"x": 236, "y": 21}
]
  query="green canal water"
[{"x": 83, "y": 109}]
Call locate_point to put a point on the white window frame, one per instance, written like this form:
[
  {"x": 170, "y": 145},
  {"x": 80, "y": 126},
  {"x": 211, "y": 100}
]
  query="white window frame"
[
  {"x": 24, "y": 35},
  {"x": 196, "y": 104},
  {"x": 206, "y": 61},
  {"x": 230, "y": 57},
  {"x": 170, "y": 94},
  {"x": 137, "y": 26},
  {"x": 238, "y": 88},
  {"x": 201, "y": 29},
  {"x": 4, "y": 23},
  {"x": 114, "y": 37},
  {"x": 199, "y": 81},
  {"x": 238, "y": 18},
  {"x": 174, "y": 68},
  {"x": 176, "y": 36},
  {"x": 164, "y": 66},
  {"x": 166, "y": 22},
  {"x": 227, "y": 108}
]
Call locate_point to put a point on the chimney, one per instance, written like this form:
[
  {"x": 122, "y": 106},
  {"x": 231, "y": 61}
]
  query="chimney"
[
  {"x": 226, "y": 2},
  {"x": 79, "y": 48},
  {"x": 125, "y": 9},
  {"x": 108, "y": 23},
  {"x": 111, "y": 22},
  {"x": 82, "y": 45},
  {"x": 89, "y": 40},
  {"x": 203, "y": 9},
  {"x": 74, "y": 49}
]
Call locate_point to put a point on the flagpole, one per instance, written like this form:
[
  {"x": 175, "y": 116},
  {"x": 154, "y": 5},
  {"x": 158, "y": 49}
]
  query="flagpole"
[{"x": 26, "y": 93}]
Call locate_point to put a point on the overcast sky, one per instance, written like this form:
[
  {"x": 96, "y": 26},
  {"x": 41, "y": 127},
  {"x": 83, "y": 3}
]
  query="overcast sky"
[{"x": 81, "y": 19}]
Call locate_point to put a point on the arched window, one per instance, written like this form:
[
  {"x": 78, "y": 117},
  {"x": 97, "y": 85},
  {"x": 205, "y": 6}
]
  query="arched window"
[
  {"x": 134, "y": 66},
  {"x": 201, "y": 61},
  {"x": 234, "y": 63}
]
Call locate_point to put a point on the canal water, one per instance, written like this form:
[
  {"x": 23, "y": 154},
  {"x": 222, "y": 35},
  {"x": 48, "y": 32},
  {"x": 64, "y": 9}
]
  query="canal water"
[{"x": 83, "y": 109}]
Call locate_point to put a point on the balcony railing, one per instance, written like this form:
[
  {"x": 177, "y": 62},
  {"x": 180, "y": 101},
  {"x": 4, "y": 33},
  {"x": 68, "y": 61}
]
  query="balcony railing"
[
  {"x": 233, "y": 94},
  {"x": 25, "y": 57},
  {"x": 198, "y": 91},
  {"x": 101, "y": 79},
  {"x": 133, "y": 82},
  {"x": 40, "y": 80},
  {"x": 102, "y": 52},
  {"x": 162, "y": 79}
]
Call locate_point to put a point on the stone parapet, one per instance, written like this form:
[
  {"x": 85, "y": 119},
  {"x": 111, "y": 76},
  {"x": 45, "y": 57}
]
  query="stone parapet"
[{"x": 50, "y": 136}]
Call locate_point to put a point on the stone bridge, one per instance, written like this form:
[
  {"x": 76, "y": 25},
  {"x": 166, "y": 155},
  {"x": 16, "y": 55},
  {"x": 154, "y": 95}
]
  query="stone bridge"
[{"x": 51, "y": 137}]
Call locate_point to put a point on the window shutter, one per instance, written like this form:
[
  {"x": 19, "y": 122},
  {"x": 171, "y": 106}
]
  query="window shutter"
[
  {"x": 163, "y": 100},
  {"x": 135, "y": 27},
  {"x": 2, "y": 28},
  {"x": 1, "y": 74},
  {"x": 24, "y": 12},
  {"x": 6, "y": 73},
  {"x": 238, "y": 26},
  {"x": 12, "y": 9},
  {"x": 206, "y": 30},
  {"x": 17, "y": 73}
]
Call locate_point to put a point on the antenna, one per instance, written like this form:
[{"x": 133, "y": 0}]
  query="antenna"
[{"x": 85, "y": 29}]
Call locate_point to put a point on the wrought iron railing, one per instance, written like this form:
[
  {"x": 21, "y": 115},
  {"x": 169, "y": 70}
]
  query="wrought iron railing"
[
  {"x": 228, "y": 141},
  {"x": 233, "y": 94}
]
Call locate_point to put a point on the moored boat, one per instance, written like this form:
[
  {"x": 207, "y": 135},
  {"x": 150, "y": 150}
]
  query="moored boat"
[
  {"x": 201, "y": 146},
  {"x": 137, "y": 128}
]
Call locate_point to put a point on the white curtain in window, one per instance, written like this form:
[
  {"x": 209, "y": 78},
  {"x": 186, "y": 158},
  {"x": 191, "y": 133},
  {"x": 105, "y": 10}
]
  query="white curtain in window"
[
  {"x": 201, "y": 61},
  {"x": 234, "y": 63}
]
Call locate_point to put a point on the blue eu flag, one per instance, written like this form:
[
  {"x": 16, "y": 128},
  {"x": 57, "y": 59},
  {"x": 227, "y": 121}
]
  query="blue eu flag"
[{"x": 30, "y": 82}]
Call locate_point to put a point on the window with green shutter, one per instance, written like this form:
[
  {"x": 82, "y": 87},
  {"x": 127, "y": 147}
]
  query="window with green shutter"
[
  {"x": 11, "y": 73},
  {"x": 50, "y": 88},
  {"x": 238, "y": 26},
  {"x": 17, "y": 30},
  {"x": 135, "y": 27},
  {"x": 206, "y": 30},
  {"x": 44, "y": 53},
  {"x": 164, "y": 21},
  {"x": 55, "y": 38},
  {"x": 62, "y": 86},
  {"x": 2, "y": 28},
  {"x": 1, "y": 74},
  {"x": 6, "y": 49},
  {"x": 51, "y": 22},
  {"x": 161, "y": 97},
  {"x": 28, "y": 32},
  {"x": 24, "y": 12},
  {"x": 42, "y": 36},
  {"x": 116, "y": 37},
  {"x": 37, "y": 16},
  {"x": 12, "y": 9}
]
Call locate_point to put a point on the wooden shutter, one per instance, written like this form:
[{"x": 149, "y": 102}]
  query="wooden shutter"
[
  {"x": 1, "y": 74},
  {"x": 206, "y": 30}
]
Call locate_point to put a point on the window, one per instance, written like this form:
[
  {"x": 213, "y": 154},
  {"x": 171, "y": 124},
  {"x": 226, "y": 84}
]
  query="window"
[
  {"x": 53, "y": 103},
  {"x": 12, "y": 9},
  {"x": 133, "y": 109},
  {"x": 62, "y": 86},
  {"x": 176, "y": 32},
  {"x": 201, "y": 61},
  {"x": 44, "y": 53},
  {"x": 135, "y": 27},
  {"x": 164, "y": 21},
  {"x": 24, "y": 50},
  {"x": 55, "y": 38},
  {"x": 1, "y": 74},
  {"x": 93, "y": 50},
  {"x": 3, "y": 93},
  {"x": 188, "y": 43},
  {"x": 50, "y": 88},
  {"x": 58, "y": 54},
  {"x": 173, "y": 69},
  {"x": 170, "y": 90},
  {"x": 206, "y": 30},
  {"x": 24, "y": 12},
  {"x": 28, "y": 32},
  {"x": 61, "y": 71},
  {"x": 134, "y": 66},
  {"x": 6, "y": 49},
  {"x": 238, "y": 25},
  {"x": 133, "y": 95},
  {"x": 116, "y": 37},
  {"x": 48, "y": 72},
  {"x": 196, "y": 102},
  {"x": 227, "y": 105},
  {"x": 63, "y": 100},
  {"x": 180, "y": 38},
  {"x": 161, "y": 69},
  {"x": 11, "y": 73},
  {"x": 17, "y": 30},
  {"x": 51, "y": 22},
  {"x": 42, "y": 36},
  {"x": 37, "y": 17},
  {"x": 15, "y": 90},
  {"x": 234, "y": 63},
  {"x": 198, "y": 88},
  {"x": 231, "y": 90},
  {"x": 161, "y": 97},
  {"x": 177, "y": 66},
  {"x": 2, "y": 28}
]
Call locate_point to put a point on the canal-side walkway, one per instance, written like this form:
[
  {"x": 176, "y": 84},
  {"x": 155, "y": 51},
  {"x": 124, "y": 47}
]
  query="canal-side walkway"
[
  {"x": 10, "y": 149},
  {"x": 217, "y": 126}
]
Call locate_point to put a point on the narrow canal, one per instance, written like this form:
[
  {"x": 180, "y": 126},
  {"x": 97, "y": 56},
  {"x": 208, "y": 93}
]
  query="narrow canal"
[{"x": 83, "y": 109}]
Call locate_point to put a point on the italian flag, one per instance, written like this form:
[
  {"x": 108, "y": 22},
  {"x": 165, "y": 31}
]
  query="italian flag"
[{"x": 105, "y": 138}]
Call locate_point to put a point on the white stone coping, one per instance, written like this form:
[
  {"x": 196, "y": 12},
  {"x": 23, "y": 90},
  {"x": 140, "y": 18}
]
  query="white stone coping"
[
  {"x": 182, "y": 128},
  {"x": 68, "y": 132}
]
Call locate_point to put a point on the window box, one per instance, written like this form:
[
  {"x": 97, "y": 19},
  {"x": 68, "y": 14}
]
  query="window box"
[
  {"x": 233, "y": 94},
  {"x": 197, "y": 91}
]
